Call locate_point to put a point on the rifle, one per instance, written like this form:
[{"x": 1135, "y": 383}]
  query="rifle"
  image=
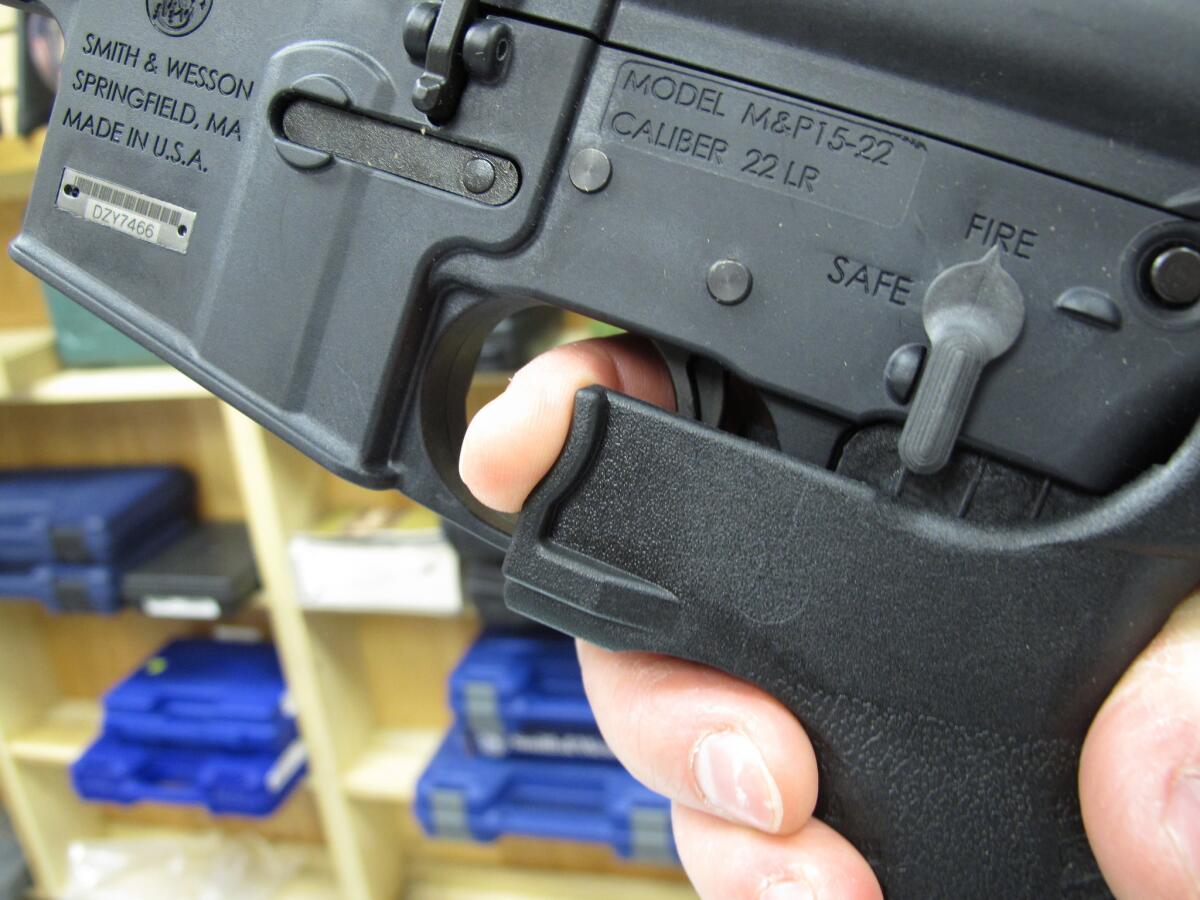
[{"x": 926, "y": 276}]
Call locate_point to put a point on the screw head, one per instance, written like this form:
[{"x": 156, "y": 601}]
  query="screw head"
[
  {"x": 479, "y": 176},
  {"x": 729, "y": 282},
  {"x": 590, "y": 170},
  {"x": 1175, "y": 276}
]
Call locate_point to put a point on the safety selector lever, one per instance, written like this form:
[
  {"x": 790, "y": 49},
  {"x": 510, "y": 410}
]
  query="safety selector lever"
[
  {"x": 447, "y": 40},
  {"x": 973, "y": 314}
]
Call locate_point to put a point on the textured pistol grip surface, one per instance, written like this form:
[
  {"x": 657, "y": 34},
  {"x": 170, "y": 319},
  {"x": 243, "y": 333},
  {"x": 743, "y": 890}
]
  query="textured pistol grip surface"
[
  {"x": 946, "y": 811},
  {"x": 947, "y": 674}
]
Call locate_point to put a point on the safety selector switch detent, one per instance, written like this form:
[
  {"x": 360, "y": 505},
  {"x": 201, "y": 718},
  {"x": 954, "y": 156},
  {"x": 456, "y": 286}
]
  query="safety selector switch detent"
[
  {"x": 447, "y": 40},
  {"x": 973, "y": 313}
]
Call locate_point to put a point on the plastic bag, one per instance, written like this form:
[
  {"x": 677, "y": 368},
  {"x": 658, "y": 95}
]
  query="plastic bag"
[{"x": 209, "y": 866}]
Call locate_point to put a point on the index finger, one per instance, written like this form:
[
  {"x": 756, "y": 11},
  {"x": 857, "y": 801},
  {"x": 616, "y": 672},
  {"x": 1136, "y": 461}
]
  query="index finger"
[{"x": 514, "y": 440}]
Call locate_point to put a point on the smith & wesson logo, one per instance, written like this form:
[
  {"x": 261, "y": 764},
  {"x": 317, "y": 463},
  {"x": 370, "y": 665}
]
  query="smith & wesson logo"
[{"x": 178, "y": 17}]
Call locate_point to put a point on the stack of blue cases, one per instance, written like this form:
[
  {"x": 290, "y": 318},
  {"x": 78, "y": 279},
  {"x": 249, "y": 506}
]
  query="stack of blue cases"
[
  {"x": 525, "y": 757},
  {"x": 521, "y": 694},
  {"x": 68, "y": 535},
  {"x": 201, "y": 723}
]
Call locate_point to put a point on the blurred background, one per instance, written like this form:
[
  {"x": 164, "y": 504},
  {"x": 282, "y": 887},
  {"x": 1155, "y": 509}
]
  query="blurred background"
[{"x": 226, "y": 673}]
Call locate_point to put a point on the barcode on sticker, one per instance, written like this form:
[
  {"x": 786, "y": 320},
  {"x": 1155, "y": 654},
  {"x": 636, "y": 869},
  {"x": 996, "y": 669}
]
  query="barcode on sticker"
[
  {"x": 134, "y": 203},
  {"x": 132, "y": 213}
]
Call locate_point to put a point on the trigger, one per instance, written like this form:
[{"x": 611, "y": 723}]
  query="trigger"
[{"x": 699, "y": 384}]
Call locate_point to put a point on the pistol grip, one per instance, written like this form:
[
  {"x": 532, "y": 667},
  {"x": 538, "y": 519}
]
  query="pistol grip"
[{"x": 947, "y": 674}]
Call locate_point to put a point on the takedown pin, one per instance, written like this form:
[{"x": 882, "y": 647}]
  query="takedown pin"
[{"x": 973, "y": 314}]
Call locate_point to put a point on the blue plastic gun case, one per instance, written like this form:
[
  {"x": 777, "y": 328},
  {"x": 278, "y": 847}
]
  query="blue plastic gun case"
[
  {"x": 200, "y": 693},
  {"x": 87, "y": 515},
  {"x": 477, "y": 798},
  {"x": 201, "y": 722},
  {"x": 522, "y": 693},
  {"x": 127, "y": 772},
  {"x": 80, "y": 587}
]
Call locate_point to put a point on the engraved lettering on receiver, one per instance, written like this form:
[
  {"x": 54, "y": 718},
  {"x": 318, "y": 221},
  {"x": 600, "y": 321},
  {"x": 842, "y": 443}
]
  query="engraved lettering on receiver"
[
  {"x": 225, "y": 127},
  {"x": 172, "y": 109},
  {"x": 118, "y": 52},
  {"x": 667, "y": 137},
  {"x": 678, "y": 90},
  {"x": 1010, "y": 238},
  {"x": 871, "y": 281},
  {"x": 799, "y": 149},
  {"x": 209, "y": 78},
  {"x": 801, "y": 176},
  {"x": 858, "y": 142},
  {"x": 117, "y": 132},
  {"x": 114, "y": 90}
]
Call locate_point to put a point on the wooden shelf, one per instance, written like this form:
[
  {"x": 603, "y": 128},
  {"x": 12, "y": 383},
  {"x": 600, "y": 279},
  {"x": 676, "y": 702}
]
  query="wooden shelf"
[
  {"x": 18, "y": 164},
  {"x": 30, "y": 373},
  {"x": 60, "y": 738},
  {"x": 119, "y": 385},
  {"x": 27, "y": 355},
  {"x": 393, "y": 761},
  {"x": 431, "y": 881},
  {"x": 314, "y": 881}
]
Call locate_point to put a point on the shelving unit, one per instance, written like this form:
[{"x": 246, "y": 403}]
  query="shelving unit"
[{"x": 369, "y": 689}]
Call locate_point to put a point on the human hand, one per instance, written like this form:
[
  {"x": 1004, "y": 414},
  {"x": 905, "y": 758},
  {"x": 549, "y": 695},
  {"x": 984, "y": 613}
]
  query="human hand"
[{"x": 737, "y": 765}]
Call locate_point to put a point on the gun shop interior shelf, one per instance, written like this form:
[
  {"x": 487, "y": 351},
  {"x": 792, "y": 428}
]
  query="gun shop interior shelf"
[
  {"x": 18, "y": 163},
  {"x": 72, "y": 386},
  {"x": 370, "y": 689}
]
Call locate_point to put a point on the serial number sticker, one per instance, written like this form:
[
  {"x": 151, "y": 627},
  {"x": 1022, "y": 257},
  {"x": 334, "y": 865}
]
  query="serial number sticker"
[
  {"x": 804, "y": 151},
  {"x": 129, "y": 212}
]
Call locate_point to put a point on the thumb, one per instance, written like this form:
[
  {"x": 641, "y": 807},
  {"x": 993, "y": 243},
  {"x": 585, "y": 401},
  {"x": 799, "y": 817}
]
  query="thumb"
[{"x": 1139, "y": 777}]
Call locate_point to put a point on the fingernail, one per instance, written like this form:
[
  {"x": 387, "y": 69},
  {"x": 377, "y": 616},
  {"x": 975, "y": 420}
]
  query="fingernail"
[
  {"x": 1183, "y": 820},
  {"x": 734, "y": 780},
  {"x": 788, "y": 890}
]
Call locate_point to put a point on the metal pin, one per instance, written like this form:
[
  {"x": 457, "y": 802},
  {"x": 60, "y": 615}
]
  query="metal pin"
[
  {"x": 729, "y": 282},
  {"x": 590, "y": 170}
]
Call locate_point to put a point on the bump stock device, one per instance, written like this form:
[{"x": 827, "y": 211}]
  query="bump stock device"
[{"x": 926, "y": 275}]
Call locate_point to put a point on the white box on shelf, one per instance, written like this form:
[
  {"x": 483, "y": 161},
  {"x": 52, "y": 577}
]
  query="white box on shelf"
[{"x": 378, "y": 561}]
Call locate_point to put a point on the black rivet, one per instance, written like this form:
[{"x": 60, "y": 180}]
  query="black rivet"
[
  {"x": 479, "y": 176},
  {"x": 902, "y": 371},
  {"x": 1175, "y": 276}
]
